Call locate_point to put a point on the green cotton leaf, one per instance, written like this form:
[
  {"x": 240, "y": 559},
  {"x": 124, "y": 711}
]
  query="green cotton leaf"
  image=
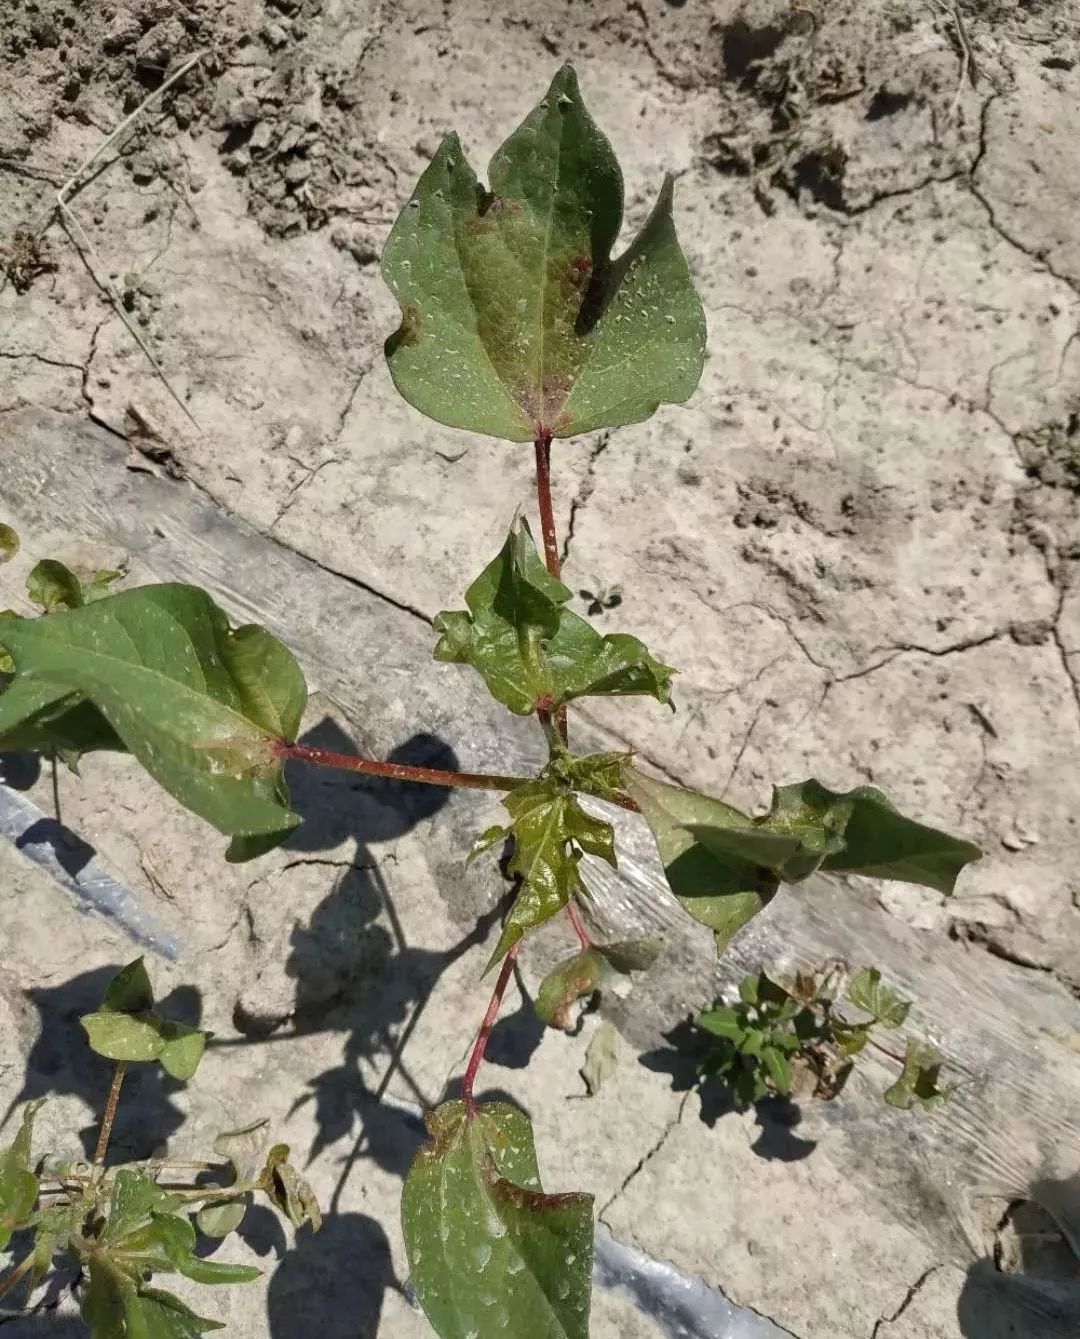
[
  {"x": 215, "y": 1272},
  {"x": 7, "y": 665},
  {"x": 222, "y": 1217},
  {"x": 570, "y": 981},
  {"x": 778, "y": 1067},
  {"x": 551, "y": 830},
  {"x": 721, "y": 890},
  {"x": 143, "y": 1037},
  {"x": 883, "y": 1004},
  {"x": 40, "y": 716},
  {"x": 488, "y": 838},
  {"x": 530, "y": 649},
  {"x": 201, "y": 706},
  {"x": 601, "y": 1058},
  {"x": 515, "y": 320},
  {"x": 134, "y": 1201},
  {"x": 490, "y": 1254},
  {"x": 810, "y": 827},
  {"x": 760, "y": 989},
  {"x": 723, "y": 1022},
  {"x": 598, "y": 774},
  {"x": 182, "y": 1049},
  {"x": 128, "y": 1037},
  {"x": 53, "y": 1229},
  {"x": 130, "y": 991},
  {"x": 877, "y": 840},
  {"x": 18, "y": 1184},
  {"x": 114, "y": 1306},
  {"x": 52, "y": 586},
  {"x": 9, "y": 543},
  {"x": 918, "y": 1084}
]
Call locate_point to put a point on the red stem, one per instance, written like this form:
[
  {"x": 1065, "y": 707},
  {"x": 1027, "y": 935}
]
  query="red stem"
[
  {"x": 580, "y": 929},
  {"x": 542, "y": 445},
  {"x": 480, "y": 1046},
  {"x": 396, "y": 771},
  {"x": 543, "y": 497}
]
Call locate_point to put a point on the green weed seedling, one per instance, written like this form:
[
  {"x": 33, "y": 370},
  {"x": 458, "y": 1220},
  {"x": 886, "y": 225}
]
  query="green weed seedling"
[
  {"x": 516, "y": 321},
  {"x": 118, "y": 1226},
  {"x": 790, "y": 1039}
]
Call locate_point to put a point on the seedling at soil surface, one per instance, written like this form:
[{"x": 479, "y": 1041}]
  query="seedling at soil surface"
[
  {"x": 516, "y": 321},
  {"x": 789, "y": 1039},
  {"x": 119, "y": 1226}
]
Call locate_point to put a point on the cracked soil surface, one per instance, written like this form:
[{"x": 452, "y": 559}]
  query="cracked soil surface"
[{"x": 859, "y": 542}]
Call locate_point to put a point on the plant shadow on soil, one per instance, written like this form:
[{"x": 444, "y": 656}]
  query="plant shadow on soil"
[
  {"x": 776, "y": 1117},
  {"x": 354, "y": 972},
  {"x": 1030, "y": 1285},
  {"x": 350, "y": 973}
]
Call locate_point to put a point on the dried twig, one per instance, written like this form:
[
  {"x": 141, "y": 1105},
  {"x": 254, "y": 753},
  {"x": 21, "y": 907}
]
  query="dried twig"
[
  {"x": 969, "y": 69},
  {"x": 81, "y": 241}
]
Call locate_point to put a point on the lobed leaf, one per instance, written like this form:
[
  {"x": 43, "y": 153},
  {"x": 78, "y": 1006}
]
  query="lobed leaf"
[
  {"x": 201, "y": 705},
  {"x": 490, "y": 1254},
  {"x": 530, "y": 649},
  {"x": 918, "y": 1084},
  {"x": 9, "y": 543},
  {"x": 515, "y": 320},
  {"x": 883, "y": 1004},
  {"x": 596, "y": 773},
  {"x": 721, "y": 889},
  {"x": 551, "y": 830}
]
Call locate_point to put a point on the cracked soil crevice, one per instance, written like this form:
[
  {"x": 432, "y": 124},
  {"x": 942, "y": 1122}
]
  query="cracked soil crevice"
[
  {"x": 912, "y": 1292},
  {"x": 644, "y": 1160}
]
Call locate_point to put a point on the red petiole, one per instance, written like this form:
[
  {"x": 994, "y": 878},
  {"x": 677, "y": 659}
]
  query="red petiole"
[{"x": 480, "y": 1046}]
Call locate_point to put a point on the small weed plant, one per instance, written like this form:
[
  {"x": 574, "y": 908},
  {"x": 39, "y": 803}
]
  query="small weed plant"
[
  {"x": 117, "y": 1227},
  {"x": 518, "y": 322},
  {"x": 793, "y": 1039}
]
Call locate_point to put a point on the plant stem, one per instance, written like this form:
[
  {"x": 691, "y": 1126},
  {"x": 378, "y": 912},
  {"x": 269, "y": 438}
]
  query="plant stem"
[
  {"x": 542, "y": 446},
  {"x": 110, "y": 1115},
  {"x": 584, "y": 938},
  {"x": 20, "y": 1271},
  {"x": 885, "y": 1051},
  {"x": 618, "y": 797},
  {"x": 480, "y": 1045},
  {"x": 428, "y": 776}
]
